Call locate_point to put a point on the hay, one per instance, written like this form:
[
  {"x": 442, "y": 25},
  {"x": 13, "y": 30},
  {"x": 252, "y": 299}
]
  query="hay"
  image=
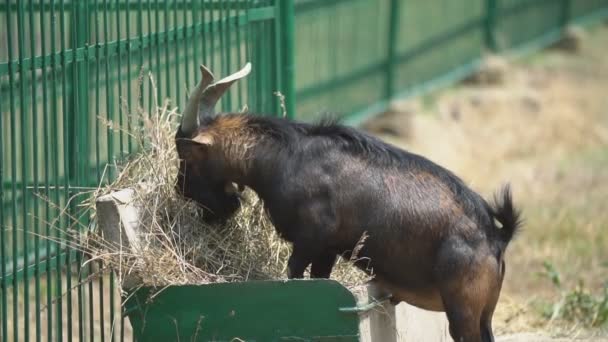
[{"x": 178, "y": 247}]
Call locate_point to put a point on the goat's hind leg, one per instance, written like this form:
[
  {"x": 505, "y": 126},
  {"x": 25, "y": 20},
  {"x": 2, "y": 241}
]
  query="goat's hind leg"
[
  {"x": 493, "y": 295},
  {"x": 469, "y": 304},
  {"x": 467, "y": 281},
  {"x": 463, "y": 320}
]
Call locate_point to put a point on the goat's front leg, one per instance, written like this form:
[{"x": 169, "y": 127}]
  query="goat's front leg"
[
  {"x": 298, "y": 261},
  {"x": 322, "y": 265}
]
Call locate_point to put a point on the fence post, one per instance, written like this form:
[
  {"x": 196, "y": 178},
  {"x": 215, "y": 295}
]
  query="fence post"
[
  {"x": 490, "y": 24},
  {"x": 78, "y": 114},
  {"x": 78, "y": 108},
  {"x": 565, "y": 15},
  {"x": 393, "y": 23},
  {"x": 286, "y": 22}
]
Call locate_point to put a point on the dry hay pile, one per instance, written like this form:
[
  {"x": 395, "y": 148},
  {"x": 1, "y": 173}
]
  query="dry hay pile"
[{"x": 178, "y": 248}]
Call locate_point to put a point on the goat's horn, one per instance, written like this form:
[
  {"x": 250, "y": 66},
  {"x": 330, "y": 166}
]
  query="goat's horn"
[
  {"x": 215, "y": 91},
  {"x": 189, "y": 119}
]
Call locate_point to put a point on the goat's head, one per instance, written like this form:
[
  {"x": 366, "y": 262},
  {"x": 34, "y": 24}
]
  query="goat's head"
[{"x": 202, "y": 173}]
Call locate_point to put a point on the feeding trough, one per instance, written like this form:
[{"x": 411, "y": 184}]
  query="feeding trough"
[
  {"x": 249, "y": 311},
  {"x": 296, "y": 310}
]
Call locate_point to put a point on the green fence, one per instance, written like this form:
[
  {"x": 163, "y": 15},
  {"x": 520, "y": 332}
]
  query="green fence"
[
  {"x": 353, "y": 56},
  {"x": 64, "y": 64}
]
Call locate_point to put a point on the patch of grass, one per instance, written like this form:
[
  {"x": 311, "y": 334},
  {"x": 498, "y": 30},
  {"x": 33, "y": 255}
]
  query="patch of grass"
[{"x": 577, "y": 305}]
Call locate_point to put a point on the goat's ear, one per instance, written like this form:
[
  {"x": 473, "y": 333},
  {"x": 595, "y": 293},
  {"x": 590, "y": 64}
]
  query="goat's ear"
[{"x": 203, "y": 139}]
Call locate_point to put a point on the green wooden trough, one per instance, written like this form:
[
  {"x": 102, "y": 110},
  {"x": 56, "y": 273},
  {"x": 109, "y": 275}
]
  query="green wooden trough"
[{"x": 304, "y": 310}]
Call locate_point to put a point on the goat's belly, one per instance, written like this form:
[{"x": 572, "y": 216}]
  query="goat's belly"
[{"x": 427, "y": 298}]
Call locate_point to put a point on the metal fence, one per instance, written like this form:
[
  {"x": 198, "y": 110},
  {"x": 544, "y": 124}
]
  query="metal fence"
[
  {"x": 68, "y": 66},
  {"x": 353, "y": 56},
  {"x": 63, "y": 66}
]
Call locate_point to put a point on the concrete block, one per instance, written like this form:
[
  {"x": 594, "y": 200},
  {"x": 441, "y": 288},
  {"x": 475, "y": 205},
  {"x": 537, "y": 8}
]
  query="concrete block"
[{"x": 118, "y": 220}]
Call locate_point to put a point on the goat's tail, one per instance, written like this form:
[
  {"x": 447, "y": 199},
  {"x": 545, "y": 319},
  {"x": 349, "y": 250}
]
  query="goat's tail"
[{"x": 505, "y": 213}]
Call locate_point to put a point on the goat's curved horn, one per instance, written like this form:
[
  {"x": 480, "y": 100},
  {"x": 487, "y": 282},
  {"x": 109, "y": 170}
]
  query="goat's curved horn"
[
  {"x": 215, "y": 91},
  {"x": 189, "y": 119}
]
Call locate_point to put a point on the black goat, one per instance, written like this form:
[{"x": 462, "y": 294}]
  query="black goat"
[{"x": 431, "y": 241}]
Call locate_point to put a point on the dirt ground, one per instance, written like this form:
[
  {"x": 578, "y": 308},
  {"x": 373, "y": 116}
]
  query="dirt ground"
[{"x": 544, "y": 129}]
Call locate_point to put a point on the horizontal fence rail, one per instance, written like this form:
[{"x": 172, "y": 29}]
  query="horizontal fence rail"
[{"x": 68, "y": 68}]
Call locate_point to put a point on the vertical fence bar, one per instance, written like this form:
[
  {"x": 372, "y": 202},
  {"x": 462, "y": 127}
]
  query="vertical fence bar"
[
  {"x": 225, "y": 46},
  {"x": 177, "y": 54},
  {"x": 204, "y": 38},
  {"x": 119, "y": 76},
  {"x": 108, "y": 85},
  {"x": 91, "y": 150},
  {"x": 150, "y": 55},
  {"x": 277, "y": 30},
  {"x": 97, "y": 23},
  {"x": 109, "y": 137},
  {"x": 206, "y": 41},
  {"x": 566, "y": 7},
  {"x": 36, "y": 219},
  {"x": 490, "y": 24},
  {"x": 47, "y": 165},
  {"x": 249, "y": 57},
  {"x": 165, "y": 36},
  {"x": 3, "y": 243},
  {"x": 140, "y": 33},
  {"x": 286, "y": 29},
  {"x": 80, "y": 157},
  {"x": 56, "y": 194},
  {"x": 224, "y": 67},
  {"x": 3, "y": 287},
  {"x": 196, "y": 11},
  {"x": 24, "y": 168},
  {"x": 212, "y": 32},
  {"x": 239, "y": 59},
  {"x": 98, "y": 154},
  {"x": 120, "y": 99},
  {"x": 393, "y": 25},
  {"x": 129, "y": 102},
  {"x": 157, "y": 27},
  {"x": 13, "y": 125},
  {"x": 255, "y": 37},
  {"x": 67, "y": 141},
  {"x": 187, "y": 65}
]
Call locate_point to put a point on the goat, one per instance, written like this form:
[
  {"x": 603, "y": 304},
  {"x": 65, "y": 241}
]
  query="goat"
[{"x": 431, "y": 241}]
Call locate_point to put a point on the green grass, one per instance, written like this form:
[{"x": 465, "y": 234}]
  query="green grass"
[{"x": 578, "y": 304}]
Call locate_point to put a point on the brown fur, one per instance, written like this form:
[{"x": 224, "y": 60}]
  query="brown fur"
[
  {"x": 470, "y": 298},
  {"x": 232, "y": 139},
  {"x": 428, "y": 299}
]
